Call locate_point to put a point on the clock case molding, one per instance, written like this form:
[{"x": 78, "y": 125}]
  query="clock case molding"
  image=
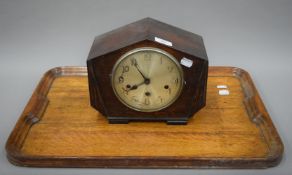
[{"x": 109, "y": 47}]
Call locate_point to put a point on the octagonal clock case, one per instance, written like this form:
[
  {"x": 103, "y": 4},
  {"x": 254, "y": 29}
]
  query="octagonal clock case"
[{"x": 148, "y": 71}]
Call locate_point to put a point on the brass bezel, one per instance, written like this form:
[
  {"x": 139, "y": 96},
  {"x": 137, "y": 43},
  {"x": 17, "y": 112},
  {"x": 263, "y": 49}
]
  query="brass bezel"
[{"x": 147, "y": 49}]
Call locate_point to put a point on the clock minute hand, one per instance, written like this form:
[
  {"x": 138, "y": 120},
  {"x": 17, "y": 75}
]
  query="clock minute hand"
[
  {"x": 137, "y": 67},
  {"x": 146, "y": 80}
]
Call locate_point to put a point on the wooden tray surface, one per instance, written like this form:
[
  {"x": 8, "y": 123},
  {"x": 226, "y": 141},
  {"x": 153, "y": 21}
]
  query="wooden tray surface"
[{"x": 59, "y": 128}]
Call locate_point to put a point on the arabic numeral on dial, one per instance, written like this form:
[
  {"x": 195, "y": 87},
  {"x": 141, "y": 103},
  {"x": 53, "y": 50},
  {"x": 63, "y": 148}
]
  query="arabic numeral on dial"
[
  {"x": 160, "y": 99},
  {"x": 133, "y": 62},
  {"x": 170, "y": 68},
  {"x": 134, "y": 98},
  {"x": 121, "y": 79},
  {"x": 125, "y": 91},
  {"x": 125, "y": 69},
  {"x": 176, "y": 81},
  {"x": 146, "y": 101},
  {"x": 147, "y": 56}
]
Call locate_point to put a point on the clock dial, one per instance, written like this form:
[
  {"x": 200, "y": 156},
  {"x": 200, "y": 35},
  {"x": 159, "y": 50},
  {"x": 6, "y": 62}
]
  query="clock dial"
[{"x": 147, "y": 79}]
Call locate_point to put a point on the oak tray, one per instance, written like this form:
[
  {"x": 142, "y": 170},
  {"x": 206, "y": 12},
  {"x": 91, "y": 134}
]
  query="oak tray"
[{"x": 59, "y": 128}]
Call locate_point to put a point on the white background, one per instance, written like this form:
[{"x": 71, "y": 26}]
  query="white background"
[{"x": 37, "y": 35}]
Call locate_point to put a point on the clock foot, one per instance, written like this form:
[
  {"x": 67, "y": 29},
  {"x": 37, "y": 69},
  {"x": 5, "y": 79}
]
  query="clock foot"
[{"x": 176, "y": 122}]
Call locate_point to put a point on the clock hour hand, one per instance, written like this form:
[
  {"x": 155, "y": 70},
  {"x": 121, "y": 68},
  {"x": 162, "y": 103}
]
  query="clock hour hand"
[{"x": 136, "y": 86}]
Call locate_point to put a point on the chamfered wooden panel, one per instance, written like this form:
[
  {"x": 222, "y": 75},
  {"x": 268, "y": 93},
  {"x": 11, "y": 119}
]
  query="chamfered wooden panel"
[{"x": 58, "y": 128}]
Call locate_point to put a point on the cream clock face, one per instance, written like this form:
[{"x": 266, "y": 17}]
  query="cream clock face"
[{"x": 147, "y": 79}]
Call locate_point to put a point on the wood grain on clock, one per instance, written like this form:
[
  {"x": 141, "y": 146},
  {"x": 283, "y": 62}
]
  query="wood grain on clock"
[
  {"x": 59, "y": 128},
  {"x": 108, "y": 48}
]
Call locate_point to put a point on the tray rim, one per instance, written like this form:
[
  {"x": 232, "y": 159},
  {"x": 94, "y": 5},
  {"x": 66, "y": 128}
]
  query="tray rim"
[{"x": 37, "y": 104}]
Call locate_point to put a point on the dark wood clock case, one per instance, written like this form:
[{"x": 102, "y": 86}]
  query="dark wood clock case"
[{"x": 109, "y": 47}]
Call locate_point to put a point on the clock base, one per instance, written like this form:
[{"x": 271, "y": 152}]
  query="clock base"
[
  {"x": 117, "y": 121},
  {"x": 176, "y": 122},
  {"x": 169, "y": 122}
]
